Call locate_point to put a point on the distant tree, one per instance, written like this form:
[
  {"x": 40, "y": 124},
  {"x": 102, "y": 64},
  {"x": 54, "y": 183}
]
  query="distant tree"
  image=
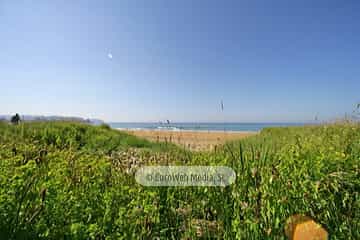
[{"x": 15, "y": 119}]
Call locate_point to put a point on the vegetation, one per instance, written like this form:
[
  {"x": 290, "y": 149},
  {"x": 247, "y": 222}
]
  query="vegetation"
[
  {"x": 69, "y": 180},
  {"x": 15, "y": 119}
]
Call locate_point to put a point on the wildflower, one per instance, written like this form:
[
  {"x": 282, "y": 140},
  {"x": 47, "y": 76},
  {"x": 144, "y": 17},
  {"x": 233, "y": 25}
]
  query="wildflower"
[
  {"x": 244, "y": 205},
  {"x": 253, "y": 172}
]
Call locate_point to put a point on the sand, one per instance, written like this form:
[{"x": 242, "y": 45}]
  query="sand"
[{"x": 193, "y": 140}]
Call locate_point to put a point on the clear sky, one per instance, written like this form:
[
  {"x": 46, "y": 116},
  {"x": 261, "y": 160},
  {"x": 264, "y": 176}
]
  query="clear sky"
[{"x": 154, "y": 60}]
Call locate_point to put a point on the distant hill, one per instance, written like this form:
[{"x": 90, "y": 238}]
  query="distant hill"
[{"x": 93, "y": 121}]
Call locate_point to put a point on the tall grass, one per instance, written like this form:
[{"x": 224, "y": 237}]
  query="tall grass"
[{"x": 68, "y": 180}]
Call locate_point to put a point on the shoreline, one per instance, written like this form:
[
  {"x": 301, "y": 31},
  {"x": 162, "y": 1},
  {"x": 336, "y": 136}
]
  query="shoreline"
[{"x": 187, "y": 130}]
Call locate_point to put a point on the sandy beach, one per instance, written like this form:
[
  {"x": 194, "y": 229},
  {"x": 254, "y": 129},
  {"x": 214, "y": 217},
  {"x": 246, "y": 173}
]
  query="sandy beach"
[{"x": 193, "y": 140}]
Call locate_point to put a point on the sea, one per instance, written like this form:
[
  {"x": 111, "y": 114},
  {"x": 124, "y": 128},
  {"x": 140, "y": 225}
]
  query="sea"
[{"x": 192, "y": 126}]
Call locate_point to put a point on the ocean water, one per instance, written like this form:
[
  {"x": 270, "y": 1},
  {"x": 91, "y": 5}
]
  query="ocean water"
[{"x": 199, "y": 126}]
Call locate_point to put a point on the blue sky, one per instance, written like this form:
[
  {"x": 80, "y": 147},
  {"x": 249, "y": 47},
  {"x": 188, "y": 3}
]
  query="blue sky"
[{"x": 268, "y": 60}]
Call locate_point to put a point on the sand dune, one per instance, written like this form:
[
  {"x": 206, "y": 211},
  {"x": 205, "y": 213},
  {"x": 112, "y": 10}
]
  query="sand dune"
[{"x": 194, "y": 140}]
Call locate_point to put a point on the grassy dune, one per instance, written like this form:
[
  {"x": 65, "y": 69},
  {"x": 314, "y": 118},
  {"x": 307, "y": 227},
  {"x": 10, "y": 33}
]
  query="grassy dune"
[
  {"x": 192, "y": 140},
  {"x": 68, "y": 180}
]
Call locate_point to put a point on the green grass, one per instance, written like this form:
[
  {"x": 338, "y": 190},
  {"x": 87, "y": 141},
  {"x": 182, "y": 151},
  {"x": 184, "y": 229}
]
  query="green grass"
[{"x": 69, "y": 180}]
